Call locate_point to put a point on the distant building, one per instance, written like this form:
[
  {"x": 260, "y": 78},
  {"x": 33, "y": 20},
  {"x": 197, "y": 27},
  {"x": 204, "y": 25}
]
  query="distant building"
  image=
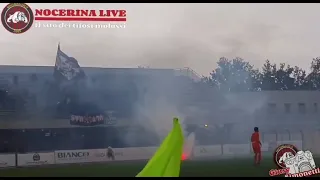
[{"x": 277, "y": 109}]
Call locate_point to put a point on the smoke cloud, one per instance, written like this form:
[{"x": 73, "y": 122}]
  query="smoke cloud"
[{"x": 176, "y": 36}]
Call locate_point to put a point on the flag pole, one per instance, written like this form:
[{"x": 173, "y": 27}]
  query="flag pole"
[{"x": 57, "y": 53}]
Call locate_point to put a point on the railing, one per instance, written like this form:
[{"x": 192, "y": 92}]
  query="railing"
[
  {"x": 6, "y": 113},
  {"x": 308, "y": 141},
  {"x": 144, "y": 153},
  {"x": 309, "y": 138},
  {"x": 186, "y": 71}
]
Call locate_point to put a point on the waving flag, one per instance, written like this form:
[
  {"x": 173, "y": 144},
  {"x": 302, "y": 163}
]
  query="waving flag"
[
  {"x": 167, "y": 160},
  {"x": 67, "y": 68}
]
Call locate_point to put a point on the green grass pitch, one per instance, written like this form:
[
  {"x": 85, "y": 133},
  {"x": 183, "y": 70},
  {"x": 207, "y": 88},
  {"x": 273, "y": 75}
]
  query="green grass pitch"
[{"x": 236, "y": 167}]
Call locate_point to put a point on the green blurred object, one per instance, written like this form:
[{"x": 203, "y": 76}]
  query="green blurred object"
[{"x": 166, "y": 161}]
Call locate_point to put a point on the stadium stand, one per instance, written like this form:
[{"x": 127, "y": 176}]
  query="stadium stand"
[
  {"x": 92, "y": 108},
  {"x": 72, "y": 107}
]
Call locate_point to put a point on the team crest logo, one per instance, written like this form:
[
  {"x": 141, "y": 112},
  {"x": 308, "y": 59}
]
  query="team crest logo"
[
  {"x": 282, "y": 153},
  {"x": 17, "y": 17},
  {"x": 293, "y": 162}
]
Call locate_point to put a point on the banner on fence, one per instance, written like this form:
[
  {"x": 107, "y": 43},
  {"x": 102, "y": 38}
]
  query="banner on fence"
[
  {"x": 207, "y": 151},
  {"x": 7, "y": 160},
  {"x": 236, "y": 149},
  {"x": 100, "y": 155},
  {"x": 136, "y": 153},
  {"x": 80, "y": 156},
  {"x": 35, "y": 159}
]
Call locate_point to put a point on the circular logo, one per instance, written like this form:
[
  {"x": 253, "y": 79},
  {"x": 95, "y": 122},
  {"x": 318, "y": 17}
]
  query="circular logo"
[
  {"x": 36, "y": 157},
  {"x": 17, "y": 17},
  {"x": 282, "y": 153}
]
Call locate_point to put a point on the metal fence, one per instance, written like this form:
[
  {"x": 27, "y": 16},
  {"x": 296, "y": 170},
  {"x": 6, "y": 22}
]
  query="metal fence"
[{"x": 310, "y": 138}]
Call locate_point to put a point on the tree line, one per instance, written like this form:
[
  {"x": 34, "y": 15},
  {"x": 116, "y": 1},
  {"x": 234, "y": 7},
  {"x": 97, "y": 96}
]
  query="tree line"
[{"x": 238, "y": 75}]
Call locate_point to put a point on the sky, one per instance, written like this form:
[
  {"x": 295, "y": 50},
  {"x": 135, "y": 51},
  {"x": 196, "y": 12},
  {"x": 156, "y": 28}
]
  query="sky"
[{"x": 176, "y": 36}]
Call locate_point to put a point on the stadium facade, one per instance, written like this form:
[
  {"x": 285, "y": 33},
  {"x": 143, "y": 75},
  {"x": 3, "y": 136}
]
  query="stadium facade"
[
  {"x": 33, "y": 79},
  {"x": 260, "y": 107},
  {"x": 39, "y": 100},
  {"x": 40, "y": 124}
]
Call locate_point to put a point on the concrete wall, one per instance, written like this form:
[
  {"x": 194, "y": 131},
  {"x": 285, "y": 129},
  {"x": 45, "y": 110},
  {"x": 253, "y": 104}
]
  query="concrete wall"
[
  {"x": 249, "y": 109},
  {"x": 269, "y": 105}
]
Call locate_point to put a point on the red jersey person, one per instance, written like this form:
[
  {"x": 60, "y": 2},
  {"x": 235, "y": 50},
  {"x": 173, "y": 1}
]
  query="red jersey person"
[{"x": 256, "y": 145}]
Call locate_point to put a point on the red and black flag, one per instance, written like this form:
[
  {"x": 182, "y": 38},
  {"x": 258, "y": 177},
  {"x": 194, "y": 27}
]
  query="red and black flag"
[{"x": 67, "y": 68}]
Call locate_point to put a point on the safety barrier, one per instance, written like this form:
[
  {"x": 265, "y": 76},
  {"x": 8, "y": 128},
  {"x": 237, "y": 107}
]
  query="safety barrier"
[
  {"x": 309, "y": 138},
  {"x": 7, "y": 160},
  {"x": 237, "y": 149},
  {"x": 124, "y": 154},
  {"x": 35, "y": 159},
  {"x": 75, "y": 156},
  {"x": 80, "y": 156}
]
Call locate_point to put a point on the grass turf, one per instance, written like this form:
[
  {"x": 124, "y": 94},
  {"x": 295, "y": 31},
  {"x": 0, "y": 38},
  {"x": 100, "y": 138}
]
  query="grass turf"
[{"x": 237, "y": 167}]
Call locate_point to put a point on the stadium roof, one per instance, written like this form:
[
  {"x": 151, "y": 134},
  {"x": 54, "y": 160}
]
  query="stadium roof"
[
  {"x": 50, "y": 123},
  {"x": 16, "y": 70},
  {"x": 12, "y": 69}
]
